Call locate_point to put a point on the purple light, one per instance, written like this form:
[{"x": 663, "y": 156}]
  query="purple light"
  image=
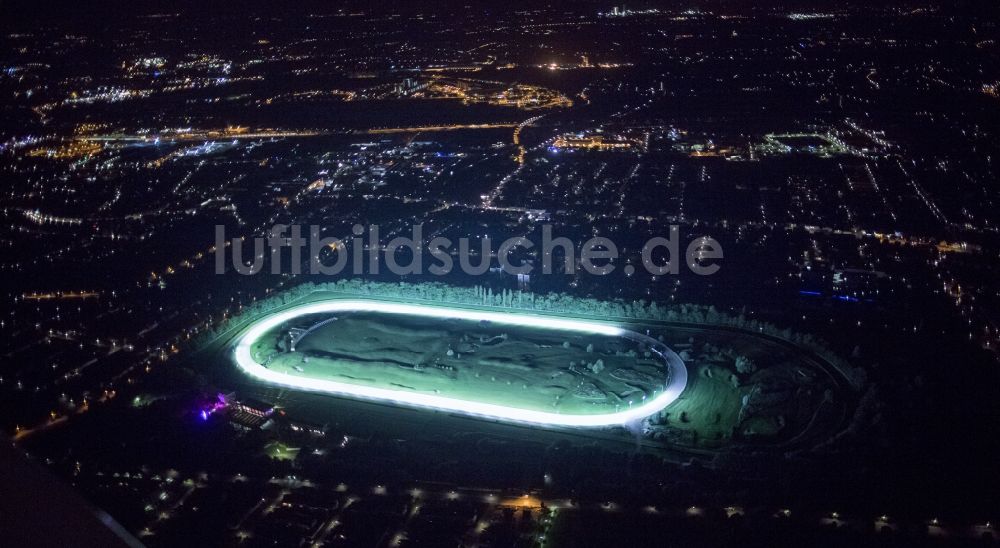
[{"x": 204, "y": 415}]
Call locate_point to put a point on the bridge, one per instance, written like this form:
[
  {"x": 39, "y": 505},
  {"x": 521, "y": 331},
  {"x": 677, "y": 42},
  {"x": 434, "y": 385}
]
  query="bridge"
[{"x": 296, "y": 334}]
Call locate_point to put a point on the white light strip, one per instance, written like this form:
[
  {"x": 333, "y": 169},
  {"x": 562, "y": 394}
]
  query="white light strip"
[{"x": 676, "y": 378}]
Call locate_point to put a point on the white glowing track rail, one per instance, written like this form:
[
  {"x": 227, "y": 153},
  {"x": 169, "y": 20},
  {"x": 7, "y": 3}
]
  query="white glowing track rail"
[{"x": 674, "y": 383}]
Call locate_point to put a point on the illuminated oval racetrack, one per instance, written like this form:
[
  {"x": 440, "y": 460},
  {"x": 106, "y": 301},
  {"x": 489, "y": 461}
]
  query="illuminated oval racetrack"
[{"x": 674, "y": 382}]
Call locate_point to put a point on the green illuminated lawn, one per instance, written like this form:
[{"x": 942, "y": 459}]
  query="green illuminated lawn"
[{"x": 516, "y": 366}]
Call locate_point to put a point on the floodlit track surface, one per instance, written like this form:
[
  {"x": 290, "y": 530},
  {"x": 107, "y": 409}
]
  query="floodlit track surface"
[{"x": 674, "y": 383}]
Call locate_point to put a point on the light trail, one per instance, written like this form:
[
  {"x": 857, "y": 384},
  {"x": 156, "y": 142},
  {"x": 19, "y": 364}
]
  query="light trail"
[{"x": 675, "y": 382}]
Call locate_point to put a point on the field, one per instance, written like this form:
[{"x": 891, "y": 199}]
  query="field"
[
  {"x": 503, "y": 365},
  {"x": 720, "y": 386}
]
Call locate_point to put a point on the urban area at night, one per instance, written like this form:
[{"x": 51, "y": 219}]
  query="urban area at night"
[{"x": 500, "y": 274}]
